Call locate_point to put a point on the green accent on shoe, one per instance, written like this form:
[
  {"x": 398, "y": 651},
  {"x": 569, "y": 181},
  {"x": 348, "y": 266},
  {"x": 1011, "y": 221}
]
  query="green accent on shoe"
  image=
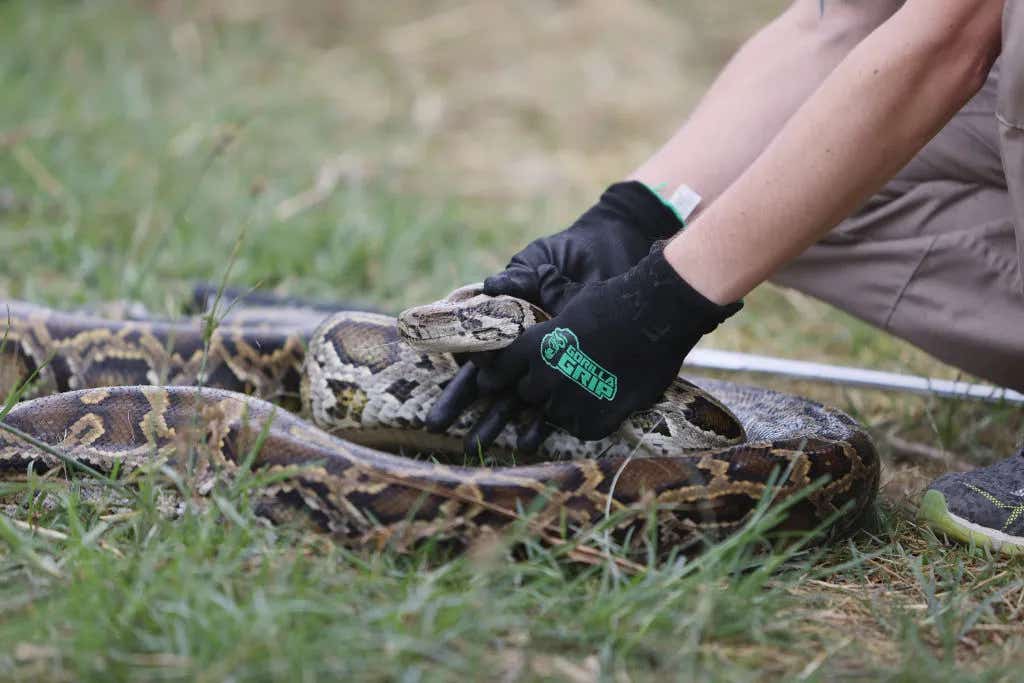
[
  {"x": 561, "y": 350},
  {"x": 1015, "y": 510},
  {"x": 935, "y": 512}
]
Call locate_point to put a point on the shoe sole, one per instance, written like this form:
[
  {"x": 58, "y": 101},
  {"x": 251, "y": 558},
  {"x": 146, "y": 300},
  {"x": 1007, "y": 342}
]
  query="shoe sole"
[{"x": 936, "y": 513}]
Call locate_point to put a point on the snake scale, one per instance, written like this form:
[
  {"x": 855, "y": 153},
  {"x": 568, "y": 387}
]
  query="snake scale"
[{"x": 119, "y": 393}]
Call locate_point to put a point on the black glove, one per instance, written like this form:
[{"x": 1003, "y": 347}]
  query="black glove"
[
  {"x": 606, "y": 241},
  {"x": 614, "y": 349}
]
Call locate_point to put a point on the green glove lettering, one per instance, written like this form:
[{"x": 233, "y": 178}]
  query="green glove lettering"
[{"x": 561, "y": 350}]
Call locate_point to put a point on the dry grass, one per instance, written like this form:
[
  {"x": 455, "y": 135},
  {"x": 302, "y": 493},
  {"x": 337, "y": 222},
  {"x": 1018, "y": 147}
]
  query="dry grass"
[{"x": 495, "y": 101}]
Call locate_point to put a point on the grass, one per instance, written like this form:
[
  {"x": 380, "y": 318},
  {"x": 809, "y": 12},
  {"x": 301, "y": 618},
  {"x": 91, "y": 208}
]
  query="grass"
[{"x": 386, "y": 153}]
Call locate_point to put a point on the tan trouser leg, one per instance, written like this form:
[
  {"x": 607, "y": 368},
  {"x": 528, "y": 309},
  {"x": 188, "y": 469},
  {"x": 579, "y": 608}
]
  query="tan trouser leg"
[
  {"x": 932, "y": 258},
  {"x": 1010, "y": 112}
]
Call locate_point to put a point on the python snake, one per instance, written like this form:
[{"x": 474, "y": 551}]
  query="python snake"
[{"x": 117, "y": 394}]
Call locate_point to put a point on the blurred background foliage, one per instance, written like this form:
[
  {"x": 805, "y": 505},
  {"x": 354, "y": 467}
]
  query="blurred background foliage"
[{"x": 355, "y": 139}]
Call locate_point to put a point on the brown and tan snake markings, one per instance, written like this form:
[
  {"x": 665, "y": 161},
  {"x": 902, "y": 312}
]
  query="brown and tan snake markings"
[{"x": 117, "y": 393}]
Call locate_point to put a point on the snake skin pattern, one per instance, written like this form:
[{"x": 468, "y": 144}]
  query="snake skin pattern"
[{"x": 117, "y": 394}]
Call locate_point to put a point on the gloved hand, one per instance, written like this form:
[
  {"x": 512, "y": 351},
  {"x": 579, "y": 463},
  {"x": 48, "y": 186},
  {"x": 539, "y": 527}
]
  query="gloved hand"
[
  {"x": 606, "y": 241},
  {"x": 614, "y": 348}
]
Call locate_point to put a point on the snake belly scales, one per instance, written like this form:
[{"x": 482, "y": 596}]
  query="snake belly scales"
[{"x": 117, "y": 394}]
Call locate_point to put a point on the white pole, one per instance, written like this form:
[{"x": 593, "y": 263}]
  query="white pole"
[{"x": 732, "y": 361}]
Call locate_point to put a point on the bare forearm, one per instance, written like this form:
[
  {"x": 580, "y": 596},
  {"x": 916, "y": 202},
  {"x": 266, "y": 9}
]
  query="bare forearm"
[
  {"x": 871, "y": 115},
  {"x": 760, "y": 89}
]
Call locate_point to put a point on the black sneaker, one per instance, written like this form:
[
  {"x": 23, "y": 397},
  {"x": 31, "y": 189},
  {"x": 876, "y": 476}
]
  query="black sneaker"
[{"x": 984, "y": 507}]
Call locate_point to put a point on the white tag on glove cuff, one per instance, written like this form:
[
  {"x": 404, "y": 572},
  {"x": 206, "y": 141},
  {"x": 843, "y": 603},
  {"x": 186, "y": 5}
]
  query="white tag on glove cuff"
[{"x": 684, "y": 200}]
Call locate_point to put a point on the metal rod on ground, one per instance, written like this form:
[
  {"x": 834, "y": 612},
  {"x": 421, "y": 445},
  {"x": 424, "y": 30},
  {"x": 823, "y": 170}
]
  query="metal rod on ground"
[{"x": 732, "y": 361}]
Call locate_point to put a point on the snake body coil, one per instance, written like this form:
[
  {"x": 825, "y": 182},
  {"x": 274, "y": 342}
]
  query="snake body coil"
[{"x": 119, "y": 393}]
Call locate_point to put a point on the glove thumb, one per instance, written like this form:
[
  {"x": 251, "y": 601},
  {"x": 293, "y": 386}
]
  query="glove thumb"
[{"x": 518, "y": 281}]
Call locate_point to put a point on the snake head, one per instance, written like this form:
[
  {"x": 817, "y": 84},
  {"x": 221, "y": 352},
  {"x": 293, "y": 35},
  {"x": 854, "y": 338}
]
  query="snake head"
[{"x": 467, "y": 321}]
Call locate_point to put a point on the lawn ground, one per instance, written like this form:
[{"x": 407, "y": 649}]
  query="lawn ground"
[{"x": 385, "y": 153}]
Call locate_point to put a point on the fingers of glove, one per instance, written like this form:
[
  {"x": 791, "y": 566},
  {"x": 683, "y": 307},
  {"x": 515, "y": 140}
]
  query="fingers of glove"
[
  {"x": 483, "y": 359},
  {"x": 555, "y": 290},
  {"x": 533, "y": 436},
  {"x": 507, "y": 367},
  {"x": 460, "y": 392},
  {"x": 532, "y": 391},
  {"x": 488, "y": 427},
  {"x": 517, "y": 281}
]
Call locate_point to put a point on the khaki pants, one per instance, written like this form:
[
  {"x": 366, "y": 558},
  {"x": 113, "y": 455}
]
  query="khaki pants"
[{"x": 936, "y": 257}]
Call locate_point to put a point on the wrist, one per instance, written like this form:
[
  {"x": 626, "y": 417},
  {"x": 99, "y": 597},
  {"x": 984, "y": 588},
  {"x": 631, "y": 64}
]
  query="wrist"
[
  {"x": 707, "y": 271},
  {"x": 668, "y": 302}
]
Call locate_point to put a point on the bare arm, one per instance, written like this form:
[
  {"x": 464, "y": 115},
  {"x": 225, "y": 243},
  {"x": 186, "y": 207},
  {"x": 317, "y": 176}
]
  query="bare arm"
[
  {"x": 760, "y": 89},
  {"x": 891, "y": 95}
]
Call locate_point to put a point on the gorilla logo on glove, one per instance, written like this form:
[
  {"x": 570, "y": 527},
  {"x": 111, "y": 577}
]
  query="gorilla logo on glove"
[{"x": 561, "y": 350}]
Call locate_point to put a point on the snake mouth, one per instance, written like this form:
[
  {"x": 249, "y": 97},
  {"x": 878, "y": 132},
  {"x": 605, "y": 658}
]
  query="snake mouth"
[{"x": 935, "y": 512}]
